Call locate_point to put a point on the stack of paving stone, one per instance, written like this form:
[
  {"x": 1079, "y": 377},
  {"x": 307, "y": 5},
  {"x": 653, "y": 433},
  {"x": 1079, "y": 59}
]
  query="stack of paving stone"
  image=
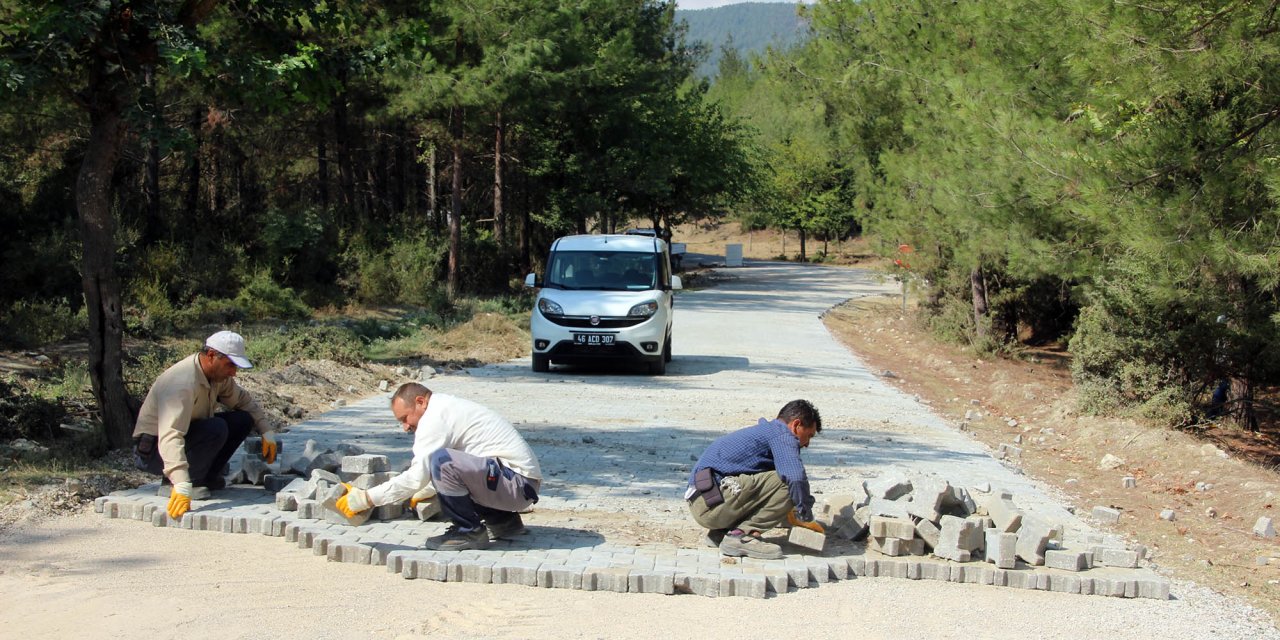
[
  {"x": 316, "y": 498},
  {"x": 899, "y": 516}
]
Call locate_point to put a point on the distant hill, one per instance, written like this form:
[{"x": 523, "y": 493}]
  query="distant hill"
[{"x": 752, "y": 26}]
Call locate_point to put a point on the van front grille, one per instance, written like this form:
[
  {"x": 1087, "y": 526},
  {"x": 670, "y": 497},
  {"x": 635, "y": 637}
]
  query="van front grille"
[{"x": 606, "y": 322}]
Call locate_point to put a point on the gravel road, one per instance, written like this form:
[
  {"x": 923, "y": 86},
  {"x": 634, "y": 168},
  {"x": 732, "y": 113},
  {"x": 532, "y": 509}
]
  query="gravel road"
[{"x": 610, "y": 442}]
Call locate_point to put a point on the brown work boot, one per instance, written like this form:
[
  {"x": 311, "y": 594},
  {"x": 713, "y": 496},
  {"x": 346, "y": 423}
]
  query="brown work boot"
[{"x": 738, "y": 544}]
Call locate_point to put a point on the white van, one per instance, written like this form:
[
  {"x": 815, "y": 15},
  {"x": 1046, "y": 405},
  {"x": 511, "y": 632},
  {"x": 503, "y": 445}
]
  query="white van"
[{"x": 604, "y": 297}]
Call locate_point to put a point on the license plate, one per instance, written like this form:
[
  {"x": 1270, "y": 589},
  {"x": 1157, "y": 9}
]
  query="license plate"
[{"x": 593, "y": 339}]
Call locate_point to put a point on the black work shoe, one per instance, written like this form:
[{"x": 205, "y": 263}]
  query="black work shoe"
[
  {"x": 506, "y": 527},
  {"x": 455, "y": 539},
  {"x": 216, "y": 483}
]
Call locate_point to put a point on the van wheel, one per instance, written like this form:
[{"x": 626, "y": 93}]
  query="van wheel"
[
  {"x": 666, "y": 350},
  {"x": 541, "y": 364},
  {"x": 657, "y": 366}
]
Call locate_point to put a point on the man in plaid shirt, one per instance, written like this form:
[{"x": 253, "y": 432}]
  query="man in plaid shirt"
[{"x": 748, "y": 481}]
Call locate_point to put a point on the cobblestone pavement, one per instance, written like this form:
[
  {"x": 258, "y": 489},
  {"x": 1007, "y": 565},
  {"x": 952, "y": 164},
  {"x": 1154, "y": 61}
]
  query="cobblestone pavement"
[{"x": 617, "y": 440}]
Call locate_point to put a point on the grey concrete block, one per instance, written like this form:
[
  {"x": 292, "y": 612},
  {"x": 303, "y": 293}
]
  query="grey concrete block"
[
  {"x": 325, "y": 475},
  {"x": 839, "y": 568},
  {"x": 1110, "y": 557},
  {"x": 807, "y": 538},
  {"x": 516, "y": 571},
  {"x": 387, "y": 511},
  {"x": 287, "y": 501},
  {"x": 930, "y": 570},
  {"x": 893, "y": 568},
  {"x": 436, "y": 569},
  {"x": 329, "y": 462},
  {"x": 274, "y": 482},
  {"x": 371, "y": 480},
  {"x": 1156, "y": 588},
  {"x": 888, "y": 487},
  {"x": 310, "y": 509},
  {"x": 365, "y": 463},
  {"x": 928, "y": 531},
  {"x": 886, "y": 527},
  {"x": 696, "y": 584},
  {"x": 887, "y": 546},
  {"x": 838, "y": 509},
  {"x": 255, "y": 470},
  {"x": 651, "y": 582},
  {"x": 1066, "y": 560},
  {"x": 617, "y": 579},
  {"x": 1264, "y": 528},
  {"x": 475, "y": 570},
  {"x": 427, "y": 509},
  {"x": 1106, "y": 515},
  {"x": 745, "y": 586},
  {"x": 299, "y": 487},
  {"x": 888, "y": 508},
  {"x": 956, "y": 539},
  {"x": 1001, "y": 548},
  {"x": 331, "y": 513},
  {"x": 857, "y": 566},
  {"x": 350, "y": 552},
  {"x": 927, "y": 497},
  {"x": 1033, "y": 540},
  {"x": 563, "y": 576},
  {"x": 1064, "y": 583},
  {"x": 1004, "y": 514}
]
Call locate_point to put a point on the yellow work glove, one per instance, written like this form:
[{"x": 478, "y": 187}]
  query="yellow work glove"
[
  {"x": 179, "y": 500},
  {"x": 812, "y": 525},
  {"x": 355, "y": 501},
  {"x": 426, "y": 493},
  {"x": 269, "y": 446}
]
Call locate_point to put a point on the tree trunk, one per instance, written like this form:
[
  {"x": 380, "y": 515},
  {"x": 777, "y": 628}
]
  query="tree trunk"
[
  {"x": 192, "y": 208},
  {"x": 978, "y": 284},
  {"x": 151, "y": 186},
  {"x": 499, "y": 216},
  {"x": 1240, "y": 394},
  {"x": 98, "y": 272},
  {"x": 342, "y": 148},
  {"x": 433, "y": 197},
  {"x": 322, "y": 167},
  {"x": 803, "y": 238},
  {"x": 455, "y": 203}
]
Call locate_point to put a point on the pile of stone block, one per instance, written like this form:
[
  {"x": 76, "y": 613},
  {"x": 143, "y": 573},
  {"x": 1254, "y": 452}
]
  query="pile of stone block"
[
  {"x": 316, "y": 497},
  {"x": 900, "y": 516}
]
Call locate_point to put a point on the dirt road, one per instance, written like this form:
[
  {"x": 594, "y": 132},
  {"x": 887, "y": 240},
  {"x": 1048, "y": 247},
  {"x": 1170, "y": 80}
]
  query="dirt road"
[{"x": 616, "y": 448}]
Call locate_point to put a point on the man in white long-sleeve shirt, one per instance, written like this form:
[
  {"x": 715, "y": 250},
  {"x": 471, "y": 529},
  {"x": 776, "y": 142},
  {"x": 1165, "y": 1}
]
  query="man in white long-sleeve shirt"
[{"x": 483, "y": 471}]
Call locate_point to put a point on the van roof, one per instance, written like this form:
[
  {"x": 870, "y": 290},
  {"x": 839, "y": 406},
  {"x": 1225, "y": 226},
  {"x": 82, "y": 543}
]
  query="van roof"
[{"x": 612, "y": 242}]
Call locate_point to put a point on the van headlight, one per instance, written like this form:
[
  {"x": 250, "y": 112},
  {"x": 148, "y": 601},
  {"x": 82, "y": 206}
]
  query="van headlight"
[
  {"x": 644, "y": 310},
  {"x": 549, "y": 307}
]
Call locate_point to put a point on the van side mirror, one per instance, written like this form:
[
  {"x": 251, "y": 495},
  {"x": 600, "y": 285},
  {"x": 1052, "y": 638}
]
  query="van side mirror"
[
  {"x": 531, "y": 280},
  {"x": 676, "y": 283}
]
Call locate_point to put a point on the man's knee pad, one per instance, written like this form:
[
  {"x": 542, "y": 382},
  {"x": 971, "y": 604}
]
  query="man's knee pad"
[{"x": 436, "y": 461}]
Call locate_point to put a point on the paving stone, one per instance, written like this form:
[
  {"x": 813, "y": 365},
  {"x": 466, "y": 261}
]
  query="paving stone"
[
  {"x": 1001, "y": 548},
  {"x": 1066, "y": 560},
  {"x": 365, "y": 463},
  {"x": 956, "y": 539},
  {"x": 928, "y": 531},
  {"x": 516, "y": 571},
  {"x": 436, "y": 569},
  {"x": 1106, "y": 515},
  {"x": 561, "y": 576},
  {"x": 611, "y": 579},
  {"x": 350, "y": 552},
  {"x": 287, "y": 501},
  {"x": 1156, "y": 588},
  {"x": 1004, "y": 514},
  {"x": 807, "y": 538},
  {"x": 331, "y": 513},
  {"x": 885, "y": 527},
  {"x": 1063, "y": 583},
  {"x": 371, "y": 480},
  {"x": 927, "y": 496},
  {"x": 693, "y": 583},
  {"x": 888, "y": 487},
  {"x": 746, "y": 586},
  {"x": 892, "y": 568},
  {"x": 888, "y": 508},
  {"x": 1033, "y": 539},
  {"x": 931, "y": 570},
  {"x": 388, "y": 511},
  {"x": 1264, "y": 528},
  {"x": 651, "y": 582},
  {"x": 1110, "y": 557},
  {"x": 274, "y": 482}
]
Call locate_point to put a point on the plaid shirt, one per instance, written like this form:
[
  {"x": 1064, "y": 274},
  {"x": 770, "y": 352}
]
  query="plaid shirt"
[{"x": 767, "y": 446}]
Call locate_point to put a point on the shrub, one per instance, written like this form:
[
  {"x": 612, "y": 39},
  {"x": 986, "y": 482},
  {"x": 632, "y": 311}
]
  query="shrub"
[
  {"x": 305, "y": 342},
  {"x": 31, "y": 323},
  {"x": 261, "y": 297},
  {"x": 27, "y": 415}
]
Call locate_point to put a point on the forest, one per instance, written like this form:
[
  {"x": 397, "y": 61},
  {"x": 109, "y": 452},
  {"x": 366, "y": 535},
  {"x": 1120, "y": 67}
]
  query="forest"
[{"x": 1092, "y": 173}]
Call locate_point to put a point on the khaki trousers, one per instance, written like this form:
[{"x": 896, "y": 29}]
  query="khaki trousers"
[{"x": 752, "y": 502}]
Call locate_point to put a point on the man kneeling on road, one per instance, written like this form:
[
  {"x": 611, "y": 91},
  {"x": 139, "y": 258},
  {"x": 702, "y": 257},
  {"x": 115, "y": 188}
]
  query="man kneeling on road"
[
  {"x": 748, "y": 481},
  {"x": 179, "y": 435},
  {"x": 483, "y": 471}
]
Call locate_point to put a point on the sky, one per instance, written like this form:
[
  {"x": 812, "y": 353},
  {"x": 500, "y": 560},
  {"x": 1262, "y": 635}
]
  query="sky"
[{"x": 707, "y": 4}]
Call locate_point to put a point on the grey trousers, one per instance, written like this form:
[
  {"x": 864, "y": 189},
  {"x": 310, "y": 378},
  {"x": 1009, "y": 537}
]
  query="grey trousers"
[{"x": 752, "y": 502}]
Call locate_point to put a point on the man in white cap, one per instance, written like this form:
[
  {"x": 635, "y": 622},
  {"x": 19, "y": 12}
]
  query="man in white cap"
[{"x": 178, "y": 433}]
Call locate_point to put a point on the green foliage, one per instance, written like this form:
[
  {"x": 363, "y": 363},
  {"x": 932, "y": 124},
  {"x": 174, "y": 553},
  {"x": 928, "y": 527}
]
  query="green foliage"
[
  {"x": 27, "y": 415},
  {"x": 28, "y": 324},
  {"x": 261, "y": 297},
  {"x": 304, "y": 342},
  {"x": 407, "y": 271},
  {"x": 742, "y": 29}
]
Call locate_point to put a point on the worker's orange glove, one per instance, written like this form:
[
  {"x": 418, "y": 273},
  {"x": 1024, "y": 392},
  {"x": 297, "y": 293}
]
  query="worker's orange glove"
[
  {"x": 426, "y": 493},
  {"x": 812, "y": 525},
  {"x": 355, "y": 501},
  {"x": 269, "y": 446},
  {"x": 179, "y": 500}
]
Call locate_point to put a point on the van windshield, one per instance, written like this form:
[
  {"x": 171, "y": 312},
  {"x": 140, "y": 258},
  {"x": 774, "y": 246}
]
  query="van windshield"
[{"x": 602, "y": 270}]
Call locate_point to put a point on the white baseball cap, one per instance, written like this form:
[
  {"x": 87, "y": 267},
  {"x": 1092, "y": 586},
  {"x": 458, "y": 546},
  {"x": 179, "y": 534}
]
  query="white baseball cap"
[{"x": 230, "y": 344}]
